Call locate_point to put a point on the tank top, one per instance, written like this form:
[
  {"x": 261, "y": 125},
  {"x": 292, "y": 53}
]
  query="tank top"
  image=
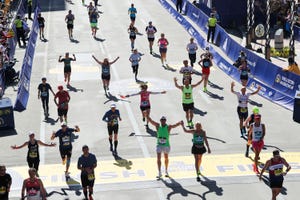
[
  {"x": 206, "y": 63},
  {"x": 33, "y": 150},
  {"x": 198, "y": 139},
  {"x": 70, "y": 19},
  {"x": 150, "y": 31},
  {"x": 163, "y": 136},
  {"x": 187, "y": 95},
  {"x": 145, "y": 101},
  {"x": 276, "y": 167},
  {"x": 105, "y": 69},
  {"x": 32, "y": 189},
  {"x": 132, "y": 31},
  {"x": 257, "y": 132}
]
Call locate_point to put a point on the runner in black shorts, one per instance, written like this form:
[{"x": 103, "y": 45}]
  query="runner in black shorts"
[
  {"x": 67, "y": 66},
  {"x": 69, "y": 19},
  {"x": 150, "y": 30},
  {"x": 132, "y": 30},
  {"x": 41, "y": 22}
]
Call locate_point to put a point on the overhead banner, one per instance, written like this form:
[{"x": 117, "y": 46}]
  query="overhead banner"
[{"x": 277, "y": 86}]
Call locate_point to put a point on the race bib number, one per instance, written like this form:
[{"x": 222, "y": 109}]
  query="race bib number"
[
  {"x": 33, "y": 154},
  {"x": 32, "y": 192},
  {"x": 243, "y": 110},
  {"x": 199, "y": 139},
  {"x": 2, "y": 190},
  {"x": 257, "y": 135},
  {"x": 145, "y": 103},
  {"x": 162, "y": 141},
  {"x": 188, "y": 95},
  {"x": 278, "y": 172},
  {"x": 66, "y": 141},
  {"x": 44, "y": 94},
  {"x": 91, "y": 176}
]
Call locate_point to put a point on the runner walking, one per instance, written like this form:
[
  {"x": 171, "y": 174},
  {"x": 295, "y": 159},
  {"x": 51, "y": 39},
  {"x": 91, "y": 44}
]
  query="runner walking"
[
  {"x": 61, "y": 99},
  {"x": 242, "y": 108},
  {"x": 132, "y": 30},
  {"x": 198, "y": 148},
  {"x": 69, "y": 19},
  {"x": 33, "y": 156},
  {"x": 112, "y": 118},
  {"x": 192, "y": 48},
  {"x": 67, "y": 66},
  {"x": 43, "y": 94},
  {"x": 135, "y": 58},
  {"x": 276, "y": 173},
  {"x": 145, "y": 101},
  {"x": 257, "y": 133},
  {"x": 5, "y": 183},
  {"x": 151, "y": 30},
  {"x": 41, "y": 22},
  {"x": 105, "y": 71},
  {"x": 187, "y": 99},
  {"x": 87, "y": 162},
  {"x": 132, "y": 13},
  {"x": 205, "y": 63},
  {"x": 163, "y": 43},
  {"x": 65, "y": 143},
  {"x": 94, "y": 21},
  {"x": 33, "y": 186},
  {"x": 163, "y": 142}
]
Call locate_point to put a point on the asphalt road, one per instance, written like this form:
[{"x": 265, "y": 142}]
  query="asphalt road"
[{"x": 126, "y": 179}]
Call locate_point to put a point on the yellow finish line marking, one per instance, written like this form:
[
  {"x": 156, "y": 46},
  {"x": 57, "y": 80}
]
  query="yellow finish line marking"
[{"x": 145, "y": 169}]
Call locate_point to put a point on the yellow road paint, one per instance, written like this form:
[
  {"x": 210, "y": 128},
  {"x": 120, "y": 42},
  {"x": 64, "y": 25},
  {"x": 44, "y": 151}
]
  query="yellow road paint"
[{"x": 143, "y": 169}]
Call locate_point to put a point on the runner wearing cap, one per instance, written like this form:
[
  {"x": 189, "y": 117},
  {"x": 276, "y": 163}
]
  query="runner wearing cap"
[
  {"x": 87, "y": 162},
  {"x": 62, "y": 103},
  {"x": 67, "y": 66},
  {"x": 275, "y": 166},
  {"x": 198, "y": 148},
  {"x": 43, "y": 94},
  {"x": 33, "y": 156},
  {"x": 257, "y": 133},
  {"x": 145, "y": 100},
  {"x": 247, "y": 123},
  {"x": 150, "y": 30},
  {"x": 135, "y": 58},
  {"x": 65, "y": 143},
  {"x": 111, "y": 117},
  {"x": 105, "y": 71},
  {"x": 192, "y": 48},
  {"x": 242, "y": 109},
  {"x": 163, "y": 143},
  {"x": 187, "y": 99}
]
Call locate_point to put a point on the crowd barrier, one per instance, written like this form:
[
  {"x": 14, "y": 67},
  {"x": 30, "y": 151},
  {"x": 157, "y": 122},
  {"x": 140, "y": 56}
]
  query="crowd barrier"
[
  {"x": 24, "y": 84},
  {"x": 277, "y": 86}
]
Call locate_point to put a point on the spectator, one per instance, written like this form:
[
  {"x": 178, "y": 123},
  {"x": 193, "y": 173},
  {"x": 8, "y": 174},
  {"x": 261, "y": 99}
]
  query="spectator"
[
  {"x": 179, "y": 6},
  {"x": 20, "y": 30},
  {"x": 212, "y": 22},
  {"x": 293, "y": 66}
]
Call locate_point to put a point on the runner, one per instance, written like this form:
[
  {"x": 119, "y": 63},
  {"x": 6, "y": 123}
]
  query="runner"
[
  {"x": 94, "y": 21},
  {"x": 198, "y": 148},
  {"x": 192, "y": 48},
  {"x": 33, "y": 156},
  {"x": 111, "y": 117},
  {"x": 247, "y": 123},
  {"x": 187, "y": 99},
  {"x": 257, "y": 133},
  {"x": 145, "y": 101},
  {"x": 41, "y": 22},
  {"x": 242, "y": 108},
  {"x": 275, "y": 166},
  {"x": 135, "y": 58},
  {"x": 207, "y": 52},
  {"x": 132, "y": 13},
  {"x": 163, "y": 43},
  {"x": 87, "y": 162},
  {"x": 163, "y": 143},
  {"x": 43, "y": 94},
  {"x": 69, "y": 19},
  {"x": 105, "y": 71},
  {"x": 34, "y": 187},
  {"x": 62, "y": 104},
  {"x": 244, "y": 69},
  {"x": 132, "y": 30},
  {"x": 67, "y": 66},
  {"x": 187, "y": 71},
  {"x": 65, "y": 143},
  {"x": 5, "y": 183},
  {"x": 150, "y": 30},
  {"x": 205, "y": 63}
]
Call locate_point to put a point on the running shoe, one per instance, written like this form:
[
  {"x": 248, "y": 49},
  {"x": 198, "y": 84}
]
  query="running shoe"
[
  {"x": 191, "y": 124},
  {"x": 204, "y": 89},
  {"x": 198, "y": 178},
  {"x": 167, "y": 174},
  {"x": 159, "y": 175},
  {"x": 255, "y": 169}
]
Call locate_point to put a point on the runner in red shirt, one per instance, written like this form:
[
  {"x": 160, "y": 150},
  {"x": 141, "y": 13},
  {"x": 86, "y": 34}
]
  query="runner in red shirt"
[
  {"x": 34, "y": 187},
  {"x": 62, "y": 103}
]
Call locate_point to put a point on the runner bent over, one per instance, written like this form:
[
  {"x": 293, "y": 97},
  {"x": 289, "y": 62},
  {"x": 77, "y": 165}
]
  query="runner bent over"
[
  {"x": 150, "y": 30},
  {"x": 111, "y": 117},
  {"x": 87, "y": 162},
  {"x": 69, "y": 19},
  {"x": 34, "y": 187},
  {"x": 192, "y": 48},
  {"x": 187, "y": 99},
  {"x": 132, "y": 30},
  {"x": 163, "y": 143},
  {"x": 62, "y": 103},
  {"x": 163, "y": 43},
  {"x": 65, "y": 143},
  {"x": 43, "y": 94},
  {"x": 135, "y": 58},
  {"x": 67, "y": 66}
]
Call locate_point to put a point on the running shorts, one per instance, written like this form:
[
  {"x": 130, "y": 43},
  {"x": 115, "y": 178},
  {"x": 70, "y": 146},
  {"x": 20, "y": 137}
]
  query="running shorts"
[
  {"x": 132, "y": 37},
  {"x": 93, "y": 24},
  {"x": 65, "y": 152},
  {"x": 163, "y": 149},
  {"x": 276, "y": 181},
  {"x": 132, "y": 18},
  {"x": 258, "y": 145},
  {"x": 105, "y": 77},
  {"x": 143, "y": 108},
  {"x": 113, "y": 129},
  {"x": 188, "y": 106},
  {"x": 67, "y": 70},
  {"x": 206, "y": 71},
  {"x": 196, "y": 149},
  {"x": 162, "y": 50},
  {"x": 192, "y": 57},
  {"x": 70, "y": 26},
  {"x": 242, "y": 112},
  {"x": 87, "y": 180},
  {"x": 150, "y": 39},
  {"x": 62, "y": 112}
]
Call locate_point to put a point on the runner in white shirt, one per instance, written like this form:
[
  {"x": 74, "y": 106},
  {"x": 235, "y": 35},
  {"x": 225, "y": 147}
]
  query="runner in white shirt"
[
  {"x": 192, "y": 48},
  {"x": 187, "y": 71},
  {"x": 150, "y": 30},
  {"x": 135, "y": 58}
]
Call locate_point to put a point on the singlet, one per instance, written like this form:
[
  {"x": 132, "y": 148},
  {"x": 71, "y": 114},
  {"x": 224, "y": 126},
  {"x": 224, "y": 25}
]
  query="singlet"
[
  {"x": 65, "y": 140},
  {"x": 163, "y": 136},
  {"x": 132, "y": 11},
  {"x": 70, "y": 18},
  {"x": 187, "y": 95},
  {"x": 32, "y": 189},
  {"x": 145, "y": 101},
  {"x": 150, "y": 31},
  {"x": 257, "y": 132},
  {"x": 132, "y": 31},
  {"x": 206, "y": 63},
  {"x": 163, "y": 43},
  {"x": 243, "y": 99},
  {"x": 105, "y": 69},
  {"x": 19, "y": 23},
  {"x": 276, "y": 167},
  {"x": 33, "y": 150},
  {"x": 198, "y": 139}
]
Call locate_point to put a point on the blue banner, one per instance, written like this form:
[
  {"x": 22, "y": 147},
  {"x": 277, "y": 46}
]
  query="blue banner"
[{"x": 24, "y": 85}]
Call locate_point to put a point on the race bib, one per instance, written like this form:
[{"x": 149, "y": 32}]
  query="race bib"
[
  {"x": 162, "y": 141},
  {"x": 145, "y": 103},
  {"x": 188, "y": 95},
  {"x": 278, "y": 172},
  {"x": 199, "y": 139},
  {"x": 44, "y": 94},
  {"x": 33, "y": 154},
  {"x": 258, "y": 135},
  {"x": 2, "y": 190},
  {"x": 32, "y": 192},
  {"x": 91, "y": 176},
  {"x": 66, "y": 141},
  {"x": 243, "y": 110}
]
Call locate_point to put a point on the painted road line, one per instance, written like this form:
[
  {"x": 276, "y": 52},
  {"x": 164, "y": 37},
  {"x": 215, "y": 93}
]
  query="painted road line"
[{"x": 145, "y": 169}]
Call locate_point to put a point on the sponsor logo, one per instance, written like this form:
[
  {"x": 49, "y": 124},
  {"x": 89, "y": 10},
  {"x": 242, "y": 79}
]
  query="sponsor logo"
[
  {"x": 285, "y": 82},
  {"x": 195, "y": 15},
  {"x": 224, "y": 46},
  {"x": 179, "y": 18},
  {"x": 224, "y": 67},
  {"x": 191, "y": 31}
]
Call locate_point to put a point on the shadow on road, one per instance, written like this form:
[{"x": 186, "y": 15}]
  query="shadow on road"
[
  {"x": 199, "y": 112},
  {"x": 74, "y": 89},
  {"x": 215, "y": 96},
  {"x": 212, "y": 187},
  {"x": 213, "y": 85},
  {"x": 121, "y": 162},
  {"x": 113, "y": 98},
  {"x": 73, "y": 185}
]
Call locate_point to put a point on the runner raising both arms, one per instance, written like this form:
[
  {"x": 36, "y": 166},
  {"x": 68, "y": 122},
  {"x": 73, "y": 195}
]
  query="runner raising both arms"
[{"x": 67, "y": 66}]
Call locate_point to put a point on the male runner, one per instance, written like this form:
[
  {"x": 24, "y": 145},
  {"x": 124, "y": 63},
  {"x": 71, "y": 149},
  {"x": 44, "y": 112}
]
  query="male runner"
[
  {"x": 5, "y": 183},
  {"x": 43, "y": 94},
  {"x": 187, "y": 71},
  {"x": 192, "y": 48},
  {"x": 69, "y": 19},
  {"x": 151, "y": 30},
  {"x": 62, "y": 103},
  {"x": 132, "y": 13}
]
